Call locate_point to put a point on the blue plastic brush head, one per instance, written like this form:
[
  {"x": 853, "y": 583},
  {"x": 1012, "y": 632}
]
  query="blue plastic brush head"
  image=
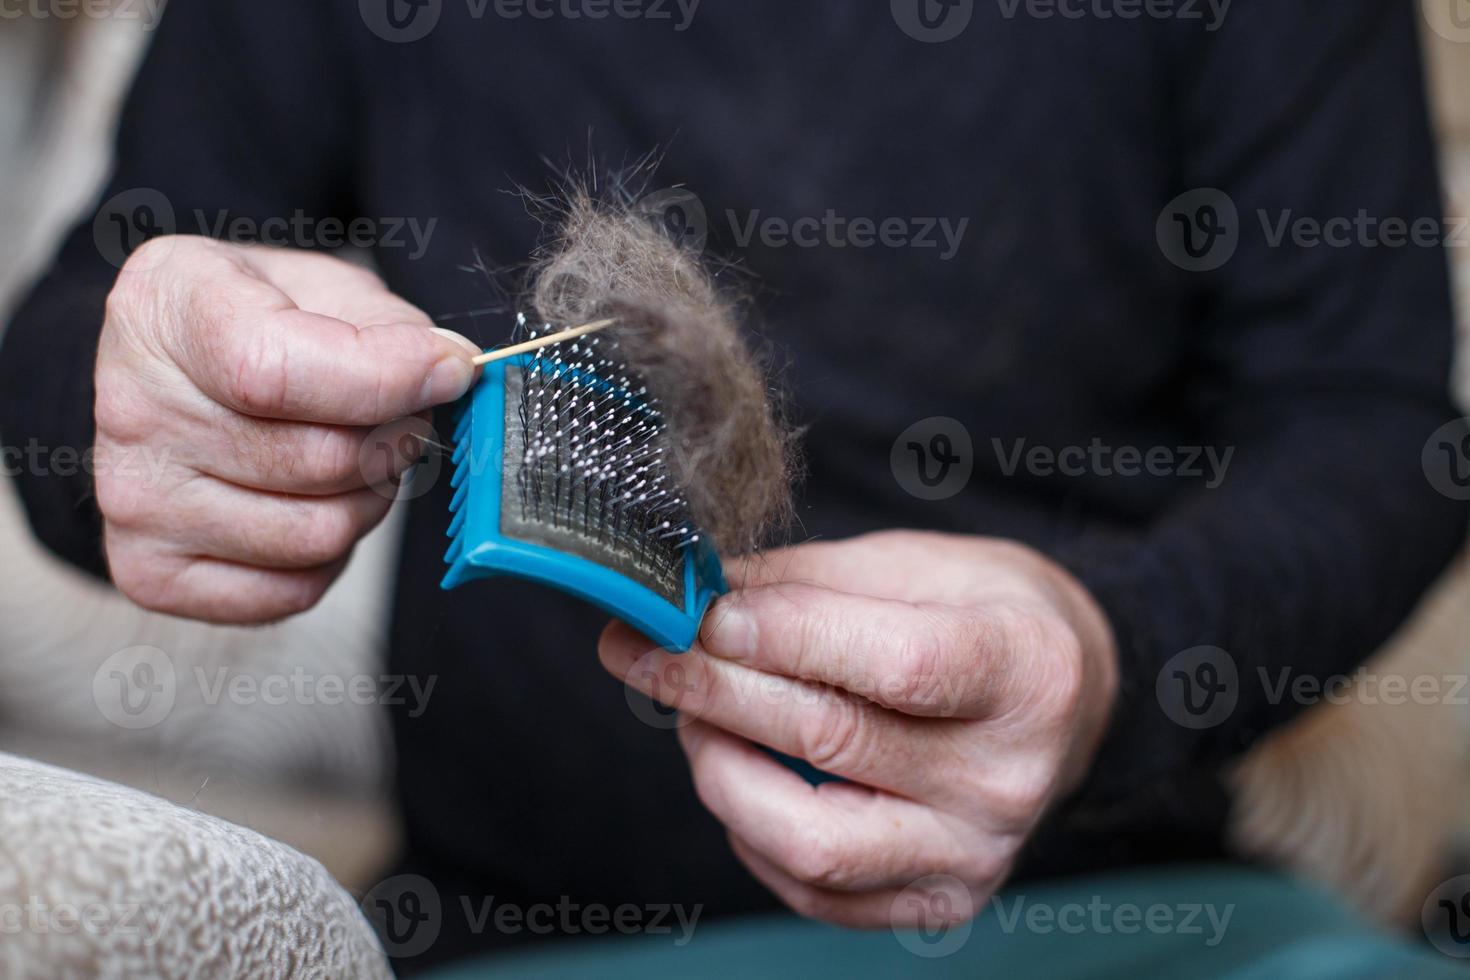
[{"x": 560, "y": 477}]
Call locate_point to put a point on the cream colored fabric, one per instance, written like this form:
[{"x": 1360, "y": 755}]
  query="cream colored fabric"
[
  {"x": 97, "y": 880},
  {"x": 1365, "y": 796}
]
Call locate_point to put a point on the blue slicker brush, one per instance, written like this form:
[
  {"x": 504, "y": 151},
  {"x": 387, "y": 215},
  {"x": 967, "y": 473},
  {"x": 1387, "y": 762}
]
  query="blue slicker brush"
[{"x": 560, "y": 477}]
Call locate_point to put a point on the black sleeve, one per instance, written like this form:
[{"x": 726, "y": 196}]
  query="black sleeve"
[
  {"x": 240, "y": 110},
  {"x": 1324, "y": 369}
]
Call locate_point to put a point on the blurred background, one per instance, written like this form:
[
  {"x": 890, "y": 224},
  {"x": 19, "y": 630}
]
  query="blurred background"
[{"x": 1362, "y": 797}]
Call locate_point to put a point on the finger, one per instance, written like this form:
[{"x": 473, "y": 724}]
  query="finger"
[
  {"x": 210, "y": 590},
  {"x": 290, "y": 364},
  {"x": 271, "y": 530},
  {"x": 250, "y": 348},
  {"x": 837, "y": 836},
  {"x": 854, "y": 910},
  {"x": 926, "y": 659},
  {"x": 925, "y": 903},
  {"x": 306, "y": 458},
  {"x": 836, "y": 732},
  {"x": 890, "y": 564},
  {"x": 816, "y": 562}
]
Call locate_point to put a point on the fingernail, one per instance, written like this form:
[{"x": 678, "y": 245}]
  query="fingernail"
[
  {"x": 448, "y": 379},
  {"x": 460, "y": 339},
  {"x": 733, "y": 633},
  {"x": 452, "y": 375}
]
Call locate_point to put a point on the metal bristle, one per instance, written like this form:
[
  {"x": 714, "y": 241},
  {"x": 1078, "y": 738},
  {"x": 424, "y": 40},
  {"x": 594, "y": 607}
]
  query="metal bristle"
[{"x": 593, "y": 457}]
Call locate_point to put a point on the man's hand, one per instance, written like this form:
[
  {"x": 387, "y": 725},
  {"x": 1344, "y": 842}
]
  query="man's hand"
[
  {"x": 250, "y": 379},
  {"x": 960, "y": 683}
]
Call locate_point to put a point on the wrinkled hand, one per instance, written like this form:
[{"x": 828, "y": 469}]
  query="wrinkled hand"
[
  {"x": 960, "y": 683},
  {"x": 250, "y": 380}
]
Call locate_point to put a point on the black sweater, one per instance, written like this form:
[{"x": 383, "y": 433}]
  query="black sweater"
[{"x": 1052, "y": 318}]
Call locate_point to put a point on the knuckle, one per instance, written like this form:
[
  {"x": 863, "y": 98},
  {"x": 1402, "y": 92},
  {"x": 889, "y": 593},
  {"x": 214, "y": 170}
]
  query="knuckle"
[
  {"x": 149, "y": 254},
  {"x": 337, "y": 456},
  {"x": 918, "y": 658},
  {"x": 835, "y": 738},
  {"x": 255, "y": 364},
  {"x": 1061, "y": 689},
  {"x": 1018, "y": 797},
  {"x": 983, "y": 866},
  {"x": 811, "y": 904},
  {"x": 302, "y": 594},
  {"x": 818, "y": 858},
  {"x": 120, "y": 410},
  {"x": 709, "y": 788},
  {"x": 326, "y": 533},
  {"x": 130, "y": 290},
  {"x": 325, "y": 458},
  {"x": 136, "y": 571},
  {"x": 123, "y": 501}
]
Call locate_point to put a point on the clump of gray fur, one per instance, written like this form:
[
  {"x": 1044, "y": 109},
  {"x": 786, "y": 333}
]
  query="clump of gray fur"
[{"x": 731, "y": 452}]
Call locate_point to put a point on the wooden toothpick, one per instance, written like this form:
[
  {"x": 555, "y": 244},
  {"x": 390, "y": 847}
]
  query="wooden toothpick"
[{"x": 539, "y": 342}]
